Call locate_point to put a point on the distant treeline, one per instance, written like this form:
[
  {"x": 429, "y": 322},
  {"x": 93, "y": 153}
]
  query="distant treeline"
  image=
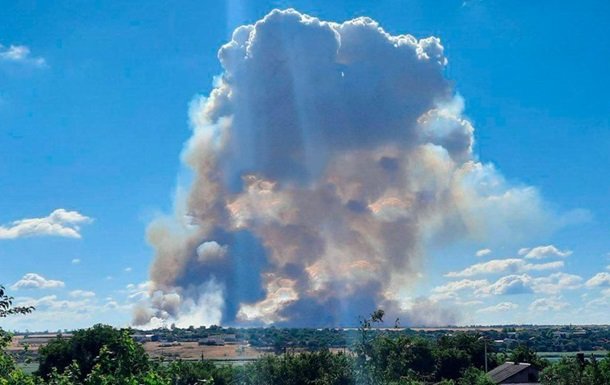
[
  {"x": 541, "y": 339},
  {"x": 103, "y": 355}
]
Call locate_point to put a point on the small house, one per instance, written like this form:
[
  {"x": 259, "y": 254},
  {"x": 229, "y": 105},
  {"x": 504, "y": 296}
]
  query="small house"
[{"x": 514, "y": 373}]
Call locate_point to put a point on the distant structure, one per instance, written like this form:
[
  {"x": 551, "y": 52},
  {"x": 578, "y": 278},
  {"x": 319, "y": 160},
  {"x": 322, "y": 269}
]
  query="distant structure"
[
  {"x": 42, "y": 339},
  {"x": 216, "y": 340},
  {"x": 142, "y": 338},
  {"x": 230, "y": 338},
  {"x": 517, "y": 373}
]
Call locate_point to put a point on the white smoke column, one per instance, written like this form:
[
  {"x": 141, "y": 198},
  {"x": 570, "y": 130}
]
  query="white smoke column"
[{"x": 321, "y": 159}]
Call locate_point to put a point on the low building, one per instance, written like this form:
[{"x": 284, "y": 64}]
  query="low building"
[
  {"x": 216, "y": 340},
  {"x": 42, "y": 339},
  {"x": 142, "y": 338},
  {"x": 229, "y": 338},
  {"x": 514, "y": 373}
]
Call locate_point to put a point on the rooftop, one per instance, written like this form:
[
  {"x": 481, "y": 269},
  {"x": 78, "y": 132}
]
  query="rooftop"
[{"x": 506, "y": 370}]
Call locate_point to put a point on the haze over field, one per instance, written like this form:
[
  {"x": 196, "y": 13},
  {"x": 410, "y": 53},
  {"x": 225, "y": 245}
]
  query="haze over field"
[{"x": 331, "y": 170}]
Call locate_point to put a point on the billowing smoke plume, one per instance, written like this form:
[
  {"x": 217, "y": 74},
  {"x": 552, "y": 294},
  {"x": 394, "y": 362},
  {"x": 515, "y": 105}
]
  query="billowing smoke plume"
[{"x": 322, "y": 159}]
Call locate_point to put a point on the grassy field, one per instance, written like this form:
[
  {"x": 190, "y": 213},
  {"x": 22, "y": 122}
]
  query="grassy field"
[
  {"x": 194, "y": 351},
  {"x": 556, "y": 356},
  {"x": 234, "y": 353},
  {"x": 29, "y": 368}
]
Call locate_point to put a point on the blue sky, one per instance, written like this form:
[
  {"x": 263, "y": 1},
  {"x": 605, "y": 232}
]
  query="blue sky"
[{"x": 94, "y": 115}]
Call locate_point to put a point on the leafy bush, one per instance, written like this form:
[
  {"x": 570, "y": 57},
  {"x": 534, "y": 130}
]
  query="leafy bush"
[
  {"x": 103, "y": 355},
  {"x": 109, "y": 350}
]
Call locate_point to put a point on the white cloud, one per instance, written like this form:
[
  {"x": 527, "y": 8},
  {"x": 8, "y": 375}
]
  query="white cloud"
[
  {"x": 36, "y": 281},
  {"x": 483, "y": 252},
  {"x": 55, "y": 312},
  {"x": 19, "y": 54},
  {"x": 556, "y": 283},
  {"x": 599, "y": 279},
  {"x": 450, "y": 289},
  {"x": 498, "y": 308},
  {"x": 468, "y": 303},
  {"x": 46, "y": 301},
  {"x": 548, "y": 304},
  {"x": 511, "y": 284},
  {"x": 512, "y": 265},
  {"x": 111, "y": 305},
  {"x": 541, "y": 252},
  {"x": 524, "y": 283},
  {"x": 60, "y": 223},
  {"x": 77, "y": 309},
  {"x": 128, "y": 269},
  {"x": 209, "y": 251},
  {"x": 602, "y": 301},
  {"x": 75, "y": 261},
  {"x": 138, "y": 292},
  {"x": 82, "y": 294}
]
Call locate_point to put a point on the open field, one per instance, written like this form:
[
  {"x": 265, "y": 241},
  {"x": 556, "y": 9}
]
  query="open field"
[
  {"x": 16, "y": 344},
  {"x": 556, "y": 356},
  {"x": 30, "y": 367},
  {"x": 182, "y": 350},
  {"x": 194, "y": 351}
]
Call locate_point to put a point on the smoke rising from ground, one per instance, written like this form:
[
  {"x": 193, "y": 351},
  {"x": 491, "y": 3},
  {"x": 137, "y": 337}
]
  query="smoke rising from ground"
[{"x": 323, "y": 158}]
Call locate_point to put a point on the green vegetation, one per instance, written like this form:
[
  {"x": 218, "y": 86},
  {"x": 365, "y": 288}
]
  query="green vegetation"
[
  {"x": 103, "y": 355},
  {"x": 7, "y": 308},
  {"x": 558, "y": 339},
  {"x": 575, "y": 371},
  {"x": 108, "y": 350}
]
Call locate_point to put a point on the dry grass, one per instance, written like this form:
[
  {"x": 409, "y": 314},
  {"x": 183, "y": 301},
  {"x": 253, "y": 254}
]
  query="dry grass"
[
  {"x": 194, "y": 351},
  {"x": 16, "y": 346},
  {"x": 185, "y": 351}
]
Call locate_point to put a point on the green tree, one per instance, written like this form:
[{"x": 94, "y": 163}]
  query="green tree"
[
  {"x": 7, "y": 364},
  {"x": 474, "y": 376},
  {"x": 315, "y": 368},
  {"x": 594, "y": 373},
  {"x": 473, "y": 345},
  {"x": 366, "y": 372},
  {"x": 451, "y": 363},
  {"x": 571, "y": 371},
  {"x": 112, "y": 350},
  {"x": 10, "y": 374},
  {"x": 565, "y": 372},
  {"x": 403, "y": 357},
  {"x": 7, "y": 308},
  {"x": 523, "y": 353},
  {"x": 187, "y": 373}
]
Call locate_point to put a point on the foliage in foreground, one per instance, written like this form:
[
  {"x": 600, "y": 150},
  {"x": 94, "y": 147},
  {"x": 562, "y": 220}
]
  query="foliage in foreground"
[
  {"x": 103, "y": 355},
  {"x": 106, "y": 356}
]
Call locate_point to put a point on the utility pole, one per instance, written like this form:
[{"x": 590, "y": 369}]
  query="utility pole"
[
  {"x": 482, "y": 338},
  {"x": 485, "y": 342}
]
